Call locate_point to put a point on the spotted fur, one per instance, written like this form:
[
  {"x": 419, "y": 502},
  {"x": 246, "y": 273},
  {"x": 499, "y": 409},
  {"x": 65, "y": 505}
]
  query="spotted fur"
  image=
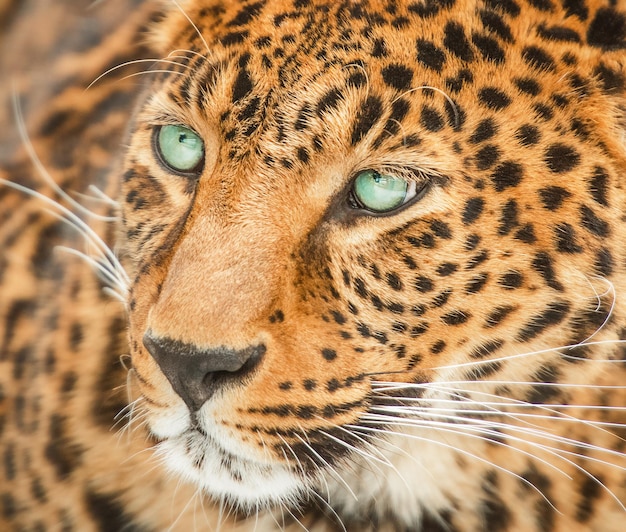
[{"x": 281, "y": 356}]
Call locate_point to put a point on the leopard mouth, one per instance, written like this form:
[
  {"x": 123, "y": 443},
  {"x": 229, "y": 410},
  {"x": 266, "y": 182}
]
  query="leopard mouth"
[{"x": 241, "y": 482}]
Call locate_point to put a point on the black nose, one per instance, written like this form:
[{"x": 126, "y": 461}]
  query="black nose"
[{"x": 196, "y": 373}]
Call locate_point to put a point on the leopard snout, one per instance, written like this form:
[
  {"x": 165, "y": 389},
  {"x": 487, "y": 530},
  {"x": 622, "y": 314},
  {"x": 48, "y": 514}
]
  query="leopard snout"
[{"x": 196, "y": 373}]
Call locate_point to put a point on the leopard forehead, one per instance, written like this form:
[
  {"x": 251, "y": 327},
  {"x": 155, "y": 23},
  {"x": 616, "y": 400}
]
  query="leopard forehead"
[{"x": 260, "y": 261}]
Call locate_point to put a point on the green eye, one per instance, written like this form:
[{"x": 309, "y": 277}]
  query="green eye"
[
  {"x": 381, "y": 193},
  {"x": 180, "y": 148}
]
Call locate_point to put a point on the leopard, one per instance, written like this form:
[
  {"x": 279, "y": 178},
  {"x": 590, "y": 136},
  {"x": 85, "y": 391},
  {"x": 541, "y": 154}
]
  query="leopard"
[{"x": 313, "y": 265}]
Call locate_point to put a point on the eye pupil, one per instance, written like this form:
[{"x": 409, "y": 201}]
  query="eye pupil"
[
  {"x": 378, "y": 192},
  {"x": 180, "y": 148}
]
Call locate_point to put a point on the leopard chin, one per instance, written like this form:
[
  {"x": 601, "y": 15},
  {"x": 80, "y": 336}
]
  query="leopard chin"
[{"x": 246, "y": 485}]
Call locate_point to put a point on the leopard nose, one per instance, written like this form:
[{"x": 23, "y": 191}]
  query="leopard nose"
[{"x": 197, "y": 373}]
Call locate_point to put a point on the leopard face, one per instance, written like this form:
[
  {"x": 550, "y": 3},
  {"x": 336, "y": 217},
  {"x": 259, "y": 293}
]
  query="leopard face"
[{"x": 403, "y": 222}]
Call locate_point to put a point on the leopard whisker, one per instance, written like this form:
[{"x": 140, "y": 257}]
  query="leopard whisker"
[
  {"x": 326, "y": 503},
  {"x": 517, "y": 403},
  {"x": 373, "y": 448},
  {"x": 104, "y": 272},
  {"x": 557, "y": 453},
  {"x": 464, "y": 428},
  {"x": 67, "y": 216},
  {"x": 329, "y": 468},
  {"x": 478, "y": 363},
  {"x": 435, "y": 89},
  {"x": 463, "y": 452},
  {"x": 538, "y": 432},
  {"x": 199, "y": 33},
  {"x": 360, "y": 452},
  {"x": 40, "y": 167},
  {"x": 153, "y": 60},
  {"x": 100, "y": 196}
]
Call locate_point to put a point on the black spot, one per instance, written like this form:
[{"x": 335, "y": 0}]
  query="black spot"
[
  {"x": 543, "y": 111},
  {"x": 242, "y": 86},
  {"x": 561, "y": 158},
  {"x": 598, "y": 186},
  {"x": 472, "y": 241},
  {"x": 484, "y": 131},
  {"x": 309, "y": 384},
  {"x": 528, "y": 135},
  {"x": 394, "y": 281},
  {"x": 463, "y": 77},
  {"x": 496, "y": 516},
  {"x": 303, "y": 155},
  {"x": 508, "y": 220},
  {"x": 380, "y": 48},
  {"x": 482, "y": 371},
  {"x": 544, "y": 265},
  {"x": 612, "y": 80},
  {"x": 553, "y": 197},
  {"x": 566, "y": 238},
  {"x": 367, "y": 116},
  {"x": 487, "y": 156},
  {"x": 108, "y": 513},
  {"x": 286, "y": 385},
  {"x": 508, "y": 174},
  {"x": 9, "y": 507},
  {"x": 61, "y": 452},
  {"x": 542, "y": 5},
  {"x": 441, "y": 299},
  {"x": 488, "y": 47},
  {"x": 455, "y": 317},
  {"x": 447, "y": 268},
  {"x": 495, "y": 23},
  {"x": 329, "y": 101},
  {"x": 9, "y": 462},
  {"x": 418, "y": 330},
  {"x": 441, "y": 229},
  {"x": 607, "y": 29},
  {"x": 38, "y": 490},
  {"x": 538, "y": 58},
  {"x": 510, "y": 7},
  {"x": 590, "y": 489},
  {"x": 357, "y": 79},
  {"x": 456, "y": 42},
  {"x": 498, "y": 314},
  {"x": 511, "y": 280},
  {"x": 487, "y": 348},
  {"x": 528, "y": 86},
  {"x": 553, "y": 315},
  {"x": 430, "y": 55},
  {"x": 431, "y": 119},
  {"x": 593, "y": 223},
  {"x": 429, "y": 8},
  {"x": 576, "y": 8},
  {"x": 397, "y": 76},
  {"x": 526, "y": 234},
  {"x": 476, "y": 283},
  {"x": 360, "y": 288},
  {"x": 235, "y": 37},
  {"x": 472, "y": 210},
  {"x": 329, "y": 354},
  {"x": 423, "y": 284},
  {"x": 437, "y": 347},
  {"x": 543, "y": 392},
  {"x": 477, "y": 259},
  {"x": 558, "y": 33},
  {"x": 246, "y": 14},
  {"x": 604, "y": 262}
]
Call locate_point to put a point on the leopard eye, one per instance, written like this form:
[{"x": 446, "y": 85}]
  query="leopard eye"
[
  {"x": 381, "y": 193},
  {"x": 180, "y": 148}
]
